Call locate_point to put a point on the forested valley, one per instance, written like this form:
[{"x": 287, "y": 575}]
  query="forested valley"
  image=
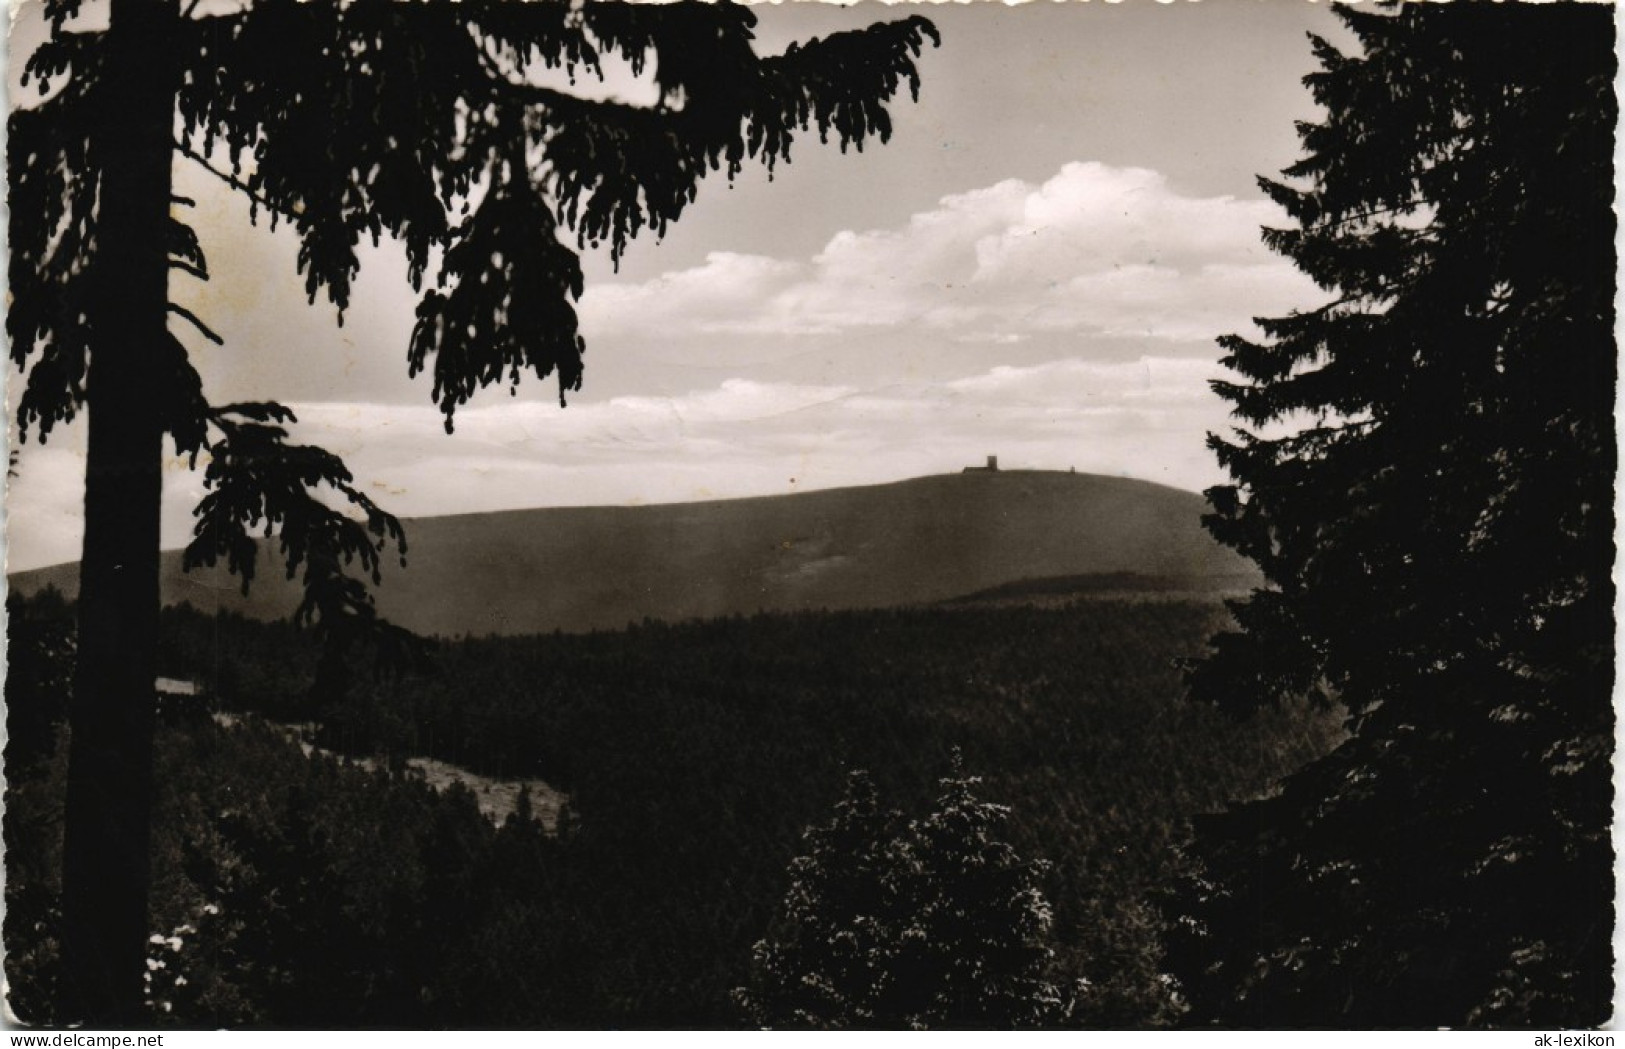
[{"x": 298, "y": 891}]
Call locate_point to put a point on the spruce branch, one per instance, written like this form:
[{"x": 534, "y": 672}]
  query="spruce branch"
[
  {"x": 192, "y": 318},
  {"x": 1404, "y": 207},
  {"x": 505, "y": 90},
  {"x": 236, "y": 183}
]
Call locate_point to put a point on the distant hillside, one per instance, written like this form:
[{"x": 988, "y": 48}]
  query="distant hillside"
[
  {"x": 912, "y": 542},
  {"x": 1109, "y": 586}
]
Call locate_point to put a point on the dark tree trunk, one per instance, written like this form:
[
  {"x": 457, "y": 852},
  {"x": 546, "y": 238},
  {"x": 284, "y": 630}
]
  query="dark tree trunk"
[{"x": 109, "y": 800}]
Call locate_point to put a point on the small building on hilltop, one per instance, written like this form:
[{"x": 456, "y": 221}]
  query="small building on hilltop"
[{"x": 991, "y": 467}]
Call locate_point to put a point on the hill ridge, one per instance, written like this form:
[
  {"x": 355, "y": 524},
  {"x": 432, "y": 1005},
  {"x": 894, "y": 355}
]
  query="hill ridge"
[{"x": 917, "y": 541}]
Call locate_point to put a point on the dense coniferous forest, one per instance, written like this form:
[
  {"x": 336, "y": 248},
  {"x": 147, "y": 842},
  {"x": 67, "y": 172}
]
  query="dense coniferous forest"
[{"x": 309, "y": 891}]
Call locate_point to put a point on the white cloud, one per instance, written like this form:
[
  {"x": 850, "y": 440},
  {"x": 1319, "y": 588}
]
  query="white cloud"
[
  {"x": 698, "y": 299},
  {"x": 1095, "y": 250}
]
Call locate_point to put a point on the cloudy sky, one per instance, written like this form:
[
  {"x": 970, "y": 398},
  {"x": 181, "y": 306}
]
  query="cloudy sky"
[{"x": 1035, "y": 267}]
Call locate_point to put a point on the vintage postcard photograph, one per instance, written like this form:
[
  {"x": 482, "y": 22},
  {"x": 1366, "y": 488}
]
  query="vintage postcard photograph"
[{"x": 583, "y": 515}]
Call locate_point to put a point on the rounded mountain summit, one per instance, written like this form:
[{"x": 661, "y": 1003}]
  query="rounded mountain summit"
[{"x": 982, "y": 535}]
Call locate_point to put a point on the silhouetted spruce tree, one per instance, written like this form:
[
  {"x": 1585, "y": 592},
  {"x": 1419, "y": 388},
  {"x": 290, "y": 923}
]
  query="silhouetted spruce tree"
[
  {"x": 348, "y": 121},
  {"x": 1428, "y": 487},
  {"x": 938, "y": 924}
]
